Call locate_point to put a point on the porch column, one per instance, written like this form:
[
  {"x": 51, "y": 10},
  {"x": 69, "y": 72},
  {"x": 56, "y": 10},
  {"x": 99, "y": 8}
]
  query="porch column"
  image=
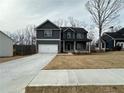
[
  {"x": 63, "y": 46},
  {"x": 89, "y": 46},
  {"x": 74, "y": 46},
  {"x": 114, "y": 43},
  {"x": 104, "y": 46}
]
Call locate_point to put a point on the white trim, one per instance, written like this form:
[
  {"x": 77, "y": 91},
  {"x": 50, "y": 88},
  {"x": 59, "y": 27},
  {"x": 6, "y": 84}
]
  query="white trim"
[
  {"x": 89, "y": 47},
  {"x": 69, "y": 28},
  {"x": 109, "y": 36},
  {"x": 49, "y": 39},
  {"x": 114, "y": 43},
  {"x": 114, "y": 38},
  {"x": 6, "y": 35},
  {"x": 120, "y": 44}
]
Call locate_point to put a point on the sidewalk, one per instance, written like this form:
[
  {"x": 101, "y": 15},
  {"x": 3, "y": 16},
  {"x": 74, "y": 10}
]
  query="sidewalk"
[{"x": 75, "y": 78}]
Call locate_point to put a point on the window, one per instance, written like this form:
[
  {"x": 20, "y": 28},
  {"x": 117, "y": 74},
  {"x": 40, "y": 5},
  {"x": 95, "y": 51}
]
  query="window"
[
  {"x": 68, "y": 35},
  {"x": 47, "y": 33},
  {"x": 79, "y": 36},
  {"x": 83, "y": 36}
]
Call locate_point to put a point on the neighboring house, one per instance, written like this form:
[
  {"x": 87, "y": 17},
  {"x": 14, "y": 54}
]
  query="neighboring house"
[
  {"x": 111, "y": 40},
  {"x": 54, "y": 39},
  {"x": 6, "y": 45}
]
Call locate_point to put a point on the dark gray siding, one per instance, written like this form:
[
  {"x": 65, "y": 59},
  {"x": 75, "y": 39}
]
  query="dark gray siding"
[
  {"x": 55, "y": 34},
  {"x": 84, "y": 35},
  {"x": 47, "y": 25},
  {"x": 109, "y": 41},
  {"x": 119, "y": 40},
  {"x": 73, "y": 35},
  {"x": 65, "y": 35},
  {"x": 50, "y": 42}
]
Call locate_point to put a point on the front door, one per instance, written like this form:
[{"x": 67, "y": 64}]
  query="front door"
[{"x": 69, "y": 47}]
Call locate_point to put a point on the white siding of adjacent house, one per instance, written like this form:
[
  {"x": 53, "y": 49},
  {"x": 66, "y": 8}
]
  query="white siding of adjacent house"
[{"x": 6, "y": 46}]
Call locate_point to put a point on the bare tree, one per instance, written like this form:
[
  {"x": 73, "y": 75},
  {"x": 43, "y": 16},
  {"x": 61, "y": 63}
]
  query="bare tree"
[
  {"x": 103, "y": 12},
  {"x": 115, "y": 28},
  {"x": 24, "y": 36},
  {"x": 75, "y": 23},
  {"x": 70, "y": 21},
  {"x": 91, "y": 34},
  {"x": 29, "y": 35},
  {"x": 60, "y": 22}
]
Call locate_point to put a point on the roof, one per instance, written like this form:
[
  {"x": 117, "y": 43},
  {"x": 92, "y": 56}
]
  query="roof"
[
  {"x": 5, "y": 35},
  {"x": 46, "y": 22},
  {"x": 77, "y": 29},
  {"x": 121, "y": 31},
  {"x": 115, "y": 35}
]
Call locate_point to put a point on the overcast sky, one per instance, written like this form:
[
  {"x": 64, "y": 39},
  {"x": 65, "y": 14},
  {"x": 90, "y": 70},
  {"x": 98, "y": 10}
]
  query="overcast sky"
[{"x": 16, "y": 14}]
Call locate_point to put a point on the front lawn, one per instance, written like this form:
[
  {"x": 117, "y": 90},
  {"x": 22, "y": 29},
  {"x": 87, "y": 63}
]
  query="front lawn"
[{"x": 93, "y": 61}]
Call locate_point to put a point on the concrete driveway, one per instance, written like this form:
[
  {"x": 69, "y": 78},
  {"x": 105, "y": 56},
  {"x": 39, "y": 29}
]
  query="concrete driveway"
[{"x": 15, "y": 75}]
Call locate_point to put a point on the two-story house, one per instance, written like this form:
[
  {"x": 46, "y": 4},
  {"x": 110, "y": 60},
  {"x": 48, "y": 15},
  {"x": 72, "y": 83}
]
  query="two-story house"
[{"x": 54, "y": 39}]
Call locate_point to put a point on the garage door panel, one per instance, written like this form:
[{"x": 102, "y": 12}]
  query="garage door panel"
[{"x": 48, "y": 48}]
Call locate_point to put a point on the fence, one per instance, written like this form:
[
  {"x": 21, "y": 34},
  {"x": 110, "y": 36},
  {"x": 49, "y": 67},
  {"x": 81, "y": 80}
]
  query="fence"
[{"x": 24, "y": 49}]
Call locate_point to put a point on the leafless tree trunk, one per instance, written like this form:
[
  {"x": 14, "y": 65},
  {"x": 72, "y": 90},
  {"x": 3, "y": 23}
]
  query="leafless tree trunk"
[{"x": 103, "y": 12}]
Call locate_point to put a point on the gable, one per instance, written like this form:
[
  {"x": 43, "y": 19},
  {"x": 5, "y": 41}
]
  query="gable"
[
  {"x": 106, "y": 38},
  {"x": 76, "y": 29},
  {"x": 115, "y": 35},
  {"x": 69, "y": 30},
  {"x": 47, "y": 25},
  {"x": 3, "y": 35}
]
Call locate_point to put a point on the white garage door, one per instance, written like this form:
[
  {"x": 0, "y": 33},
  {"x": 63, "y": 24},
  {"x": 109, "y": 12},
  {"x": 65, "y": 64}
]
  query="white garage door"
[{"x": 48, "y": 48}]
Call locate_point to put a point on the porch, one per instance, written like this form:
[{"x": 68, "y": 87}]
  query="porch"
[{"x": 75, "y": 46}]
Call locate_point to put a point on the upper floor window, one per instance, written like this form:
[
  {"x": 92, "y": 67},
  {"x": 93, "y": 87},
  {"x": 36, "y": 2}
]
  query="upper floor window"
[
  {"x": 47, "y": 33},
  {"x": 83, "y": 36},
  {"x": 79, "y": 36},
  {"x": 68, "y": 35}
]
